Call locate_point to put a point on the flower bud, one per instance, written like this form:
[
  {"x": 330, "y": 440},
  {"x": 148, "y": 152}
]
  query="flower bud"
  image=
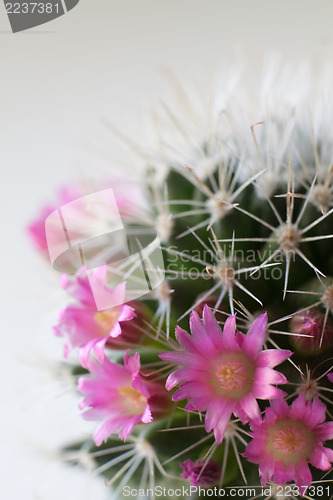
[
  {"x": 310, "y": 322},
  {"x": 209, "y": 476}
]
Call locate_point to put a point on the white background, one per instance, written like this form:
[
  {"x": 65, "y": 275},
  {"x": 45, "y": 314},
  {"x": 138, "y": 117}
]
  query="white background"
[{"x": 57, "y": 81}]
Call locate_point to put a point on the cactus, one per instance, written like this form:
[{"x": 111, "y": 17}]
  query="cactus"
[{"x": 179, "y": 378}]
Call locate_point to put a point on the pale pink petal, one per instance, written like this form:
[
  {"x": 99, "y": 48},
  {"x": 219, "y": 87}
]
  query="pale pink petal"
[
  {"x": 119, "y": 292},
  {"x": 84, "y": 352},
  {"x": 147, "y": 416},
  {"x": 127, "y": 426},
  {"x": 99, "y": 349},
  {"x": 116, "y": 330},
  {"x": 104, "y": 430},
  {"x": 132, "y": 363},
  {"x": 127, "y": 313}
]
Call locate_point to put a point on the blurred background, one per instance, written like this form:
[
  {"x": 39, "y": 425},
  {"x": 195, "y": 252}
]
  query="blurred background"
[{"x": 105, "y": 58}]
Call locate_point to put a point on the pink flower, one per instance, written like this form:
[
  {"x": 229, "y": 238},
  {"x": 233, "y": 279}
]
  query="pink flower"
[
  {"x": 222, "y": 372},
  {"x": 85, "y": 327},
  {"x": 198, "y": 477},
  {"x": 288, "y": 439},
  {"x": 119, "y": 396},
  {"x": 130, "y": 202},
  {"x": 36, "y": 228},
  {"x": 330, "y": 377}
]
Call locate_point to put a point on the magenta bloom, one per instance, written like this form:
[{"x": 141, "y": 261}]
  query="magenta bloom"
[
  {"x": 206, "y": 478},
  {"x": 85, "y": 327},
  {"x": 118, "y": 395},
  {"x": 224, "y": 373},
  {"x": 288, "y": 439},
  {"x": 330, "y": 377}
]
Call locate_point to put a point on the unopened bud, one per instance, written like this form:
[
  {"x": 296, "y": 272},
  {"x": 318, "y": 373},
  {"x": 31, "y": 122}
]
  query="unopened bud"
[
  {"x": 308, "y": 334},
  {"x": 200, "y": 476}
]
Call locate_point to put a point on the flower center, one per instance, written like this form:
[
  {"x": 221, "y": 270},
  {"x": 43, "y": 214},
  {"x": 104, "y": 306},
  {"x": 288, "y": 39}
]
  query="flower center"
[
  {"x": 107, "y": 319},
  {"x": 234, "y": 375},
  {"x": 289, "y": 441},
  {"x": 133, "y": 398}
]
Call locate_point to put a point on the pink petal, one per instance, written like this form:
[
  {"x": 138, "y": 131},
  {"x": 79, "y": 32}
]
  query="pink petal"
[
  {"x": 283, "y": 474},
  {"x": 317, "y": 413},
  {"x": 250, "y": 406},
  {"x": 105, "y": 429},
  {"x": 185, "y": 340},
  {"x": 268, "y": 376},
  {"x": 84, "y": 352},
  {"x": 263, "y": 391},
  {"x": 279, "y": 407},
  {"x": 218, "y": 417},
  {"x": 128, "y": 426},
  {"x": 116, "y": 330},
  {"x": 132, "y": 363},
  {"x": 255, "y": 337},
  {"x": 325, "y": 431},
  {"x": 178, "y": 358},
  {"x": 147, "y": 416},
  {"x": 266, "y": 470},
  {"x": 272, "y": 357},
  {"x": 221, "y": 427},
  {"x": 212, "y": 327},
  {"x": 99, "y": 349},
  {"x": 201, "y": 336},
  {"x": 303, "y": 475},
  {"x": 229, "y": 334},
  {"x": 189, "y": 390},
  {"x": 178, "y": 376},
  {"x": 119, "y": 291},
  {"x": 319, "y": 459},
  {"x": 127, "y": 312},
  {"x": 197, "y": 329}
]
